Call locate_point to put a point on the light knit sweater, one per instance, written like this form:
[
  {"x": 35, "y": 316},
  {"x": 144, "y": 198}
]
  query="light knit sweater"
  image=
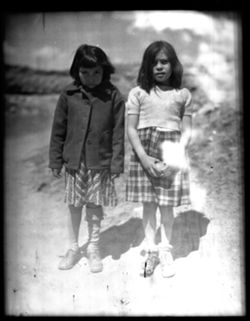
[{"x": 159, "y": 108}]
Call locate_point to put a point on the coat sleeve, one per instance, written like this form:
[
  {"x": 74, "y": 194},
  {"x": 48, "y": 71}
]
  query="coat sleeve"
[
  {"x": 58, "y": 134},
  {"x": 117, "y": 163}
]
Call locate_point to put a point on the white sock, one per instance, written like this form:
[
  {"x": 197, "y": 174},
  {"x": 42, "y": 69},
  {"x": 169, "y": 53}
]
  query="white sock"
[{"x": 74, "y": 246}]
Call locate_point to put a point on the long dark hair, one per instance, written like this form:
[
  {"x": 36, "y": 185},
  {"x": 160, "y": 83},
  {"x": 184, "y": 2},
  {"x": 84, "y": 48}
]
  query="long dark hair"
[
  {"x": 145, "y": 77},
  {"x": 89, "y": 57}
]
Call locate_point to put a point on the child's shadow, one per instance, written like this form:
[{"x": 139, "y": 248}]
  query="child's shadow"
[
  {"x": 188, "y": 227},
  {"x": 117, "y": 239}
]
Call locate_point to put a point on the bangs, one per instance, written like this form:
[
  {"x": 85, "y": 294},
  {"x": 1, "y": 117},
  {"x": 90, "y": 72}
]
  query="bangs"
[
  {"x": 90, "y": 57},
  {"x": 89, "y": 62}
]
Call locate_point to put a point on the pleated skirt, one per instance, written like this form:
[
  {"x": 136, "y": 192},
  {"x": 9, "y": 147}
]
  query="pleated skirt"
[{"x": 89, "y": 186}]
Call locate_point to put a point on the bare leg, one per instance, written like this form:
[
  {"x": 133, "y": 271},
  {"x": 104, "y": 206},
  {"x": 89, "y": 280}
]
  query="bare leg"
[
  {"x": 74, "y": 221},
  {"x": 149, "y": 223},
  {"x": 151, "y": 260},
  {"x": 167, "y": 220},
  {"x": 166, "y": 258}
]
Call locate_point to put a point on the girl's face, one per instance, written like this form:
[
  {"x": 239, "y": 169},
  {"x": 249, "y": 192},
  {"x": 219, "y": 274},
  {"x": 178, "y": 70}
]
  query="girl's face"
[
  {"x": 91, "y": 77},
  {"x": 162, "y": 69}
]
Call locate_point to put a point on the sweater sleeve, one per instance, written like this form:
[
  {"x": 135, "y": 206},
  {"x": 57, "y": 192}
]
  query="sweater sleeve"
[
  {"x": 133, "y": 101},
  {"x": 188, "y": 102}
]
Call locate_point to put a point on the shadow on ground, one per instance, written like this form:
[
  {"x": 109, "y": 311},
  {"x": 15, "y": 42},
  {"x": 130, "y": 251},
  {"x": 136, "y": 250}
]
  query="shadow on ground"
[
  {"x": 120, "y": 238},
  {"x": 188, "y": 227}
]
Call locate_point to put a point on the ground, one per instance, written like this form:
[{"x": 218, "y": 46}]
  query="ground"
[{"x": 208, "y": 237}]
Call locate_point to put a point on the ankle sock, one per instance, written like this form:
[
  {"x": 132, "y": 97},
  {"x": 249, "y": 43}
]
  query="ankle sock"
[{"x": 74, "y": 247}]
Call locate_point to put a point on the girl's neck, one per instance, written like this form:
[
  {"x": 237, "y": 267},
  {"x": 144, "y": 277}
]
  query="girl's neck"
[{"x": 164, "y": 87}]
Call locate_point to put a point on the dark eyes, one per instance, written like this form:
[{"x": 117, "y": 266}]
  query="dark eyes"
[
  {"x": 162, "y": 61},
  {"x": 86, "y": 72}
]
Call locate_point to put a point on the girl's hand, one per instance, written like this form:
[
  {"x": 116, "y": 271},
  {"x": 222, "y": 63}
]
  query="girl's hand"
[
  {"x": 149, "y": 163},
  {"x": 56, "y": 172}
]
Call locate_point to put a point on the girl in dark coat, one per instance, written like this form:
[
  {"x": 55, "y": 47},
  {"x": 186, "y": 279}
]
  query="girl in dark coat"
[{"x": 87, "y": 139}]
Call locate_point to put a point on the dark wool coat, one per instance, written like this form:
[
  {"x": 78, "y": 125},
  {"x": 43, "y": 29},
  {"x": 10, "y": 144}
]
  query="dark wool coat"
[{"x": 88, "y": 124}]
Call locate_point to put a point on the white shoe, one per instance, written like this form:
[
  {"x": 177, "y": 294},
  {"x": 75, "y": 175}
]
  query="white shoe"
[
  {"x": 166, "y": 261},
  {"x": 69, "y": 259}
]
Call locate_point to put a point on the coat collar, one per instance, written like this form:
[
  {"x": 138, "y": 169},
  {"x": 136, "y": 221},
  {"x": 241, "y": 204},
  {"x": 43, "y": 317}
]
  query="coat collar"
[
  {"x": 73, "y": 87},
  {"x": 76, "y": 87}
]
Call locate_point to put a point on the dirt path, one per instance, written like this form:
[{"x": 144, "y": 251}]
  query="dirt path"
[{"x": 209, "y": 252}]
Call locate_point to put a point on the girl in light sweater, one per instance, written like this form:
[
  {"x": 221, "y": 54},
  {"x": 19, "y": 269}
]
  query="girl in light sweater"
[{"x": 159, "y": 114}]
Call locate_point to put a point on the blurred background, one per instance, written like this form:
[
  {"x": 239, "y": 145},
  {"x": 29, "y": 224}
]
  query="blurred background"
[
  {"x": 39, "y": 47},
  {"x": 38, "y": 50}
]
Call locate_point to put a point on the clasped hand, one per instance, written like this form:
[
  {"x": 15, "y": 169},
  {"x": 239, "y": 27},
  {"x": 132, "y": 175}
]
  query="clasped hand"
[{"x": 150, "y": 165}]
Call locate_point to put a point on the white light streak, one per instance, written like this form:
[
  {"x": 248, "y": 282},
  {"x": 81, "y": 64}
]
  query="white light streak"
[{"x": 174, "y": 154}]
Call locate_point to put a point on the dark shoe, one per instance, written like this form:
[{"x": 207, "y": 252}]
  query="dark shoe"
[
  {"x": 150, "y": 264},
  {"x": 95, "y": 262},
  {"x": 69, "y": 260}
]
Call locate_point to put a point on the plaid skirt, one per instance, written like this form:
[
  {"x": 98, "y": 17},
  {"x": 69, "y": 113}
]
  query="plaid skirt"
[
  {"x": 141, "y": 187},
  {"x": 89, "y": 186}
]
